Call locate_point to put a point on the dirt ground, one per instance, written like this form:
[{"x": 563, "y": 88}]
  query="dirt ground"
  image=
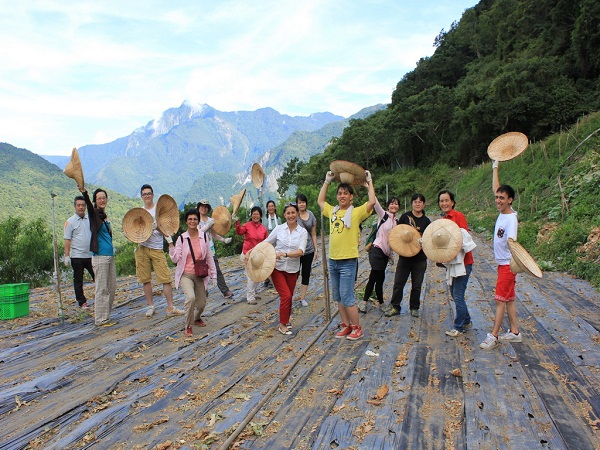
[{"x": 238, "y": 383}]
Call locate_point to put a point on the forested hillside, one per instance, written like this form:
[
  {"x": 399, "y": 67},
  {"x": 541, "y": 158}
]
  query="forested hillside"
[
  {"x": 27, "y": 181},
  {"x": 508, "y": 65},
  {"x": 528, "y": 66}
]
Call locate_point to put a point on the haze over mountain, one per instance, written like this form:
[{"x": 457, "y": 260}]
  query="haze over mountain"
[{"x": 197, "y": 151}]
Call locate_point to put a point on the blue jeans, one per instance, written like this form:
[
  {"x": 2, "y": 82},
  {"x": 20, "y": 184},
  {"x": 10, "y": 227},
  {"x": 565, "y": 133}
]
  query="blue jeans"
[
  {"x": 457, "y": 290},
  {"x": 342, "y": 273}
]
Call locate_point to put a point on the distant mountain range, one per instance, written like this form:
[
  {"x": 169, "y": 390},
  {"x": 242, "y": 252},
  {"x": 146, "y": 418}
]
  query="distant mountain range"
[{"x": 200, "y": 152}]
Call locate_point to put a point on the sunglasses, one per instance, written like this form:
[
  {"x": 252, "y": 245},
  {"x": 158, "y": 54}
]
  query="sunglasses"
[{"x": 290, "y": 204}]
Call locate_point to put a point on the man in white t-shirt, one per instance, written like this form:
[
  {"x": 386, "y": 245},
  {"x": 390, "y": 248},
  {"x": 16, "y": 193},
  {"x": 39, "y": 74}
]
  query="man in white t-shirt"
[
  {"x": 150, "y": 255},
  {"x": 506, "y": 227},
  {"x": 77, "y": 236}
]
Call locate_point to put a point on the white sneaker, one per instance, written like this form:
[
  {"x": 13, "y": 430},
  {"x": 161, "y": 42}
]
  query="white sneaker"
[
  {"x": 453, "y": 332},
  {"x": 489, "y": 343},
  {"x": 512, "y": 337},
  {"x": 150, "y": 311},
  {"x": 303, "y": 302}
]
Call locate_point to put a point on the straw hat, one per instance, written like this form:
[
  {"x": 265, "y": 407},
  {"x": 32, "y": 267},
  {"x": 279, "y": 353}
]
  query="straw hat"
[
  {"x": 222, "y": 218},
  {"x": 348, "y": 172},
  {"x": 236, "y": 200},
  {"x": 522, "y": 261},
  {"x": 261, "y": 262},
  {"x": 442, "y": 240},
  {"x": 258, "y": 176},
  {"x": 404, "y": 240},
  {"x": 74, "y": 169},
  {"x": 508, "y": 146},
  {"x": 137, "y": 225},
  {"x": 167, "y": 215}
]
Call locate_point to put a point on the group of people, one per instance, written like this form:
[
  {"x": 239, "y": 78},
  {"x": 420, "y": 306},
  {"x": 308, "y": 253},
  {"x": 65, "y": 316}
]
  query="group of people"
[
  {"x": 380, "y": 254},
  {"x": 88, "y": 246}
]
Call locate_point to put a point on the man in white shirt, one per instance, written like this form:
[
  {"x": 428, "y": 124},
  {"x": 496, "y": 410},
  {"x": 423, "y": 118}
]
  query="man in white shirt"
[
  {"x": 150, "y": 255},
  {"x": 77, "y": 236}
]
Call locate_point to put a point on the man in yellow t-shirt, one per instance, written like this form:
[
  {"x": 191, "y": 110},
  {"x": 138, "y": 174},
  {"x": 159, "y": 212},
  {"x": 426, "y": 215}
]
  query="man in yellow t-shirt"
[{"x": 345, "y": 220}]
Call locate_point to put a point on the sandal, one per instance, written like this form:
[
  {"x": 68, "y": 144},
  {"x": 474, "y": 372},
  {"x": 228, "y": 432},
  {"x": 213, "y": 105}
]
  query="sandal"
[{"x": 286, "y": 332}]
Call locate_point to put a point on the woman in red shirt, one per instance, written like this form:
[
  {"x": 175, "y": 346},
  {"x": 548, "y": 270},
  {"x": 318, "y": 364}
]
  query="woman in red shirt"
[
  {"x": 462, "y": 319},
  {"x": 254, "y": 232}
]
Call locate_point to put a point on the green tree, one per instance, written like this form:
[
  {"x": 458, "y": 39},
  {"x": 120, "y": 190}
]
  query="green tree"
[
  {"x": 288, "y": 177},
  {"x": 26, "y": 252}
]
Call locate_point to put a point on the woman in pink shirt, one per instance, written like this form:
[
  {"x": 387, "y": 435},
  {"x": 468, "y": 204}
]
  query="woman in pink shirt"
[
  {"x": 192, "y": 242},
  {"x": 254, "y": 232}
]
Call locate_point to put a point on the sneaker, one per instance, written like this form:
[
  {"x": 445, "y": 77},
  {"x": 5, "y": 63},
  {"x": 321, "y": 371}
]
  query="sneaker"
[
  {"x": 489, "y": 343},
  {"x": 345, "y": 331},
  {"x": 414, "y": 312},
  {"x": 357, "y": 333},
  {"x": 188, "y": 331},
  {"x": 362, "y": 306},
  {"x": 468, "y": 326},
  {"x": 108, "y": 323},
  {"x": 150, "y": 311},
  {"x": 512, "y": 337},
  {"x": 174, "y": 312},
  {"x": 200, "y": 322},
  {"x": 453, "y": 332},
  {"x": 228, "y": 294},
  {"x": 303, "y": 302},
  {"x": 374, "y": 300},
  {"x": 392, "y": 311},
  {"x": 385, "y": 306}
]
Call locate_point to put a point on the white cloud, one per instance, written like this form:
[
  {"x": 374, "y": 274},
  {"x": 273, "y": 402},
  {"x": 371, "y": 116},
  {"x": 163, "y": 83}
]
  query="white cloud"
[{"x": 92, "y": 71}]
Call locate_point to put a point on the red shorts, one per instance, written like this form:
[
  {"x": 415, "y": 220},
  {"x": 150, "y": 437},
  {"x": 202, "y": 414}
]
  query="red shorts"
[{"x": 505, "y": 285}]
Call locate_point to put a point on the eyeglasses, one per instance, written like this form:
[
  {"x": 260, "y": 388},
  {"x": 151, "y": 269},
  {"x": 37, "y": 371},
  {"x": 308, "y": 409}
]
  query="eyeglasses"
[{"x": 147, "y": 194}]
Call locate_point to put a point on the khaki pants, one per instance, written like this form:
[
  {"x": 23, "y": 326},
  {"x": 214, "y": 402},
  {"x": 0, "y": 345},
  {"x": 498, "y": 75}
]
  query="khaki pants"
[
  {"x": 195, "y": 297},
  {"x": 106, "y": 286}
]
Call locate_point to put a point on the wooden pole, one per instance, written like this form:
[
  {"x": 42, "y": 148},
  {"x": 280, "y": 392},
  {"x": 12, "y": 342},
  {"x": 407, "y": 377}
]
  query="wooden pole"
[{"x": 324, "y": 262}]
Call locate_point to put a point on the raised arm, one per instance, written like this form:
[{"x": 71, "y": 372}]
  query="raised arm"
[
  {"x": 372, "y": 198},
  {"x": 495, "y": 177},
  {"x": 329, "y": 176}
]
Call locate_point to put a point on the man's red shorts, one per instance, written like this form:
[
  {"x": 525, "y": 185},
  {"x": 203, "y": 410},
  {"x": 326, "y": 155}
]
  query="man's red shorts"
[{"x": 505, "y": 285}]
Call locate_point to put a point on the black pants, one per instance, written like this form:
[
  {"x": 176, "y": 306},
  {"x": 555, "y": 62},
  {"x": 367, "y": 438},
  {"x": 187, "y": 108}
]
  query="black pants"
[
  {"x": 221, "y": 284},
  {"x": 416, "y": 268},
  {"x": 78, "y": 265},
  {"x": 306, "y": 267},
  {"x": 376, "y": 279}
]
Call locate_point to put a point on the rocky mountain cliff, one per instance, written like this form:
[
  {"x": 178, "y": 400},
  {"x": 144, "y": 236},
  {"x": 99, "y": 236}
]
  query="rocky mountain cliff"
[{"x": 198, "y": 151}]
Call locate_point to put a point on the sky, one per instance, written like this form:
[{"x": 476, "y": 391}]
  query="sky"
[{"x": 74, "y": 73}]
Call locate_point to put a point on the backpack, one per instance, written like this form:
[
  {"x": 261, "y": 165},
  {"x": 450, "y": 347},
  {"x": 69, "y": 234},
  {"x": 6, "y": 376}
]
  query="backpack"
[{"x": 373, "y": 233}]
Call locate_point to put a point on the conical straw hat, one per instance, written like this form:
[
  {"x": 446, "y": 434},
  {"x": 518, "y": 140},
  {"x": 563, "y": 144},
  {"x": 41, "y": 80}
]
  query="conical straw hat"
[
  {"x": 348, "y": 172},
  {"x": 404, "y": 240},
  {"x": 261, "y": 262},
  {"x": 442, "y": 240},
  {"x": 236, "y": 200},
  {"x": 74, "y": 169},
  {"x": 167, "y": 215},
  {"x": 222, "y": 218},
  {"x": 508, "y": 146},
  {"x": 137, "y": 225},
  {"x": 258, "y": 176},
  {"x": 522, "y": 260}
]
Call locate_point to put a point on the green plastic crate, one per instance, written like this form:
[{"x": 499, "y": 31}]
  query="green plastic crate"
[
  {"x": 10, "y": 290},
  {"x": 15, "y": 298},
  {"x": 14, "y": 310}
]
